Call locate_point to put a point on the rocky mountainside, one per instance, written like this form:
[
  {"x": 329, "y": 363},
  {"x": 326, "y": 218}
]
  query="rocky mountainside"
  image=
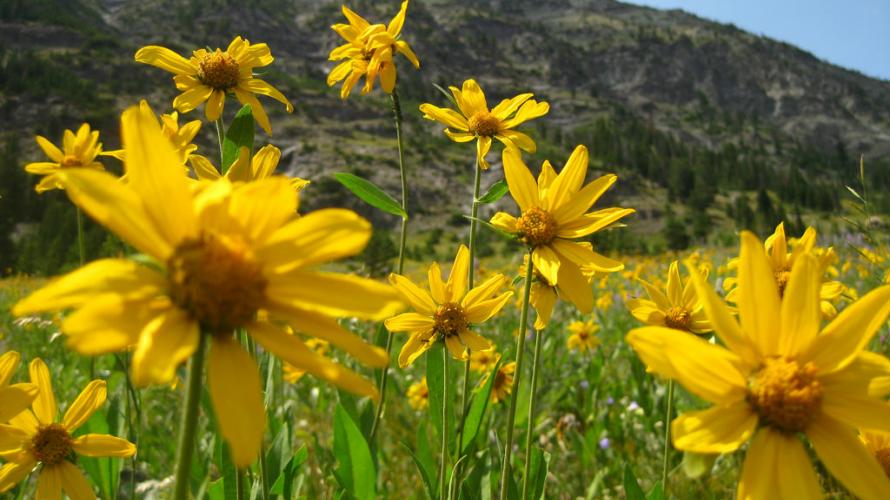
[{"x": 671, "y": 101}]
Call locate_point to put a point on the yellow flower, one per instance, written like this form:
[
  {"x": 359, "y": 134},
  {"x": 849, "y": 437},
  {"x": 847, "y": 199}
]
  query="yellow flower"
[
  {"x": 777, "y": 377},
  {"x": 293, "y": 374},
  {"x": 245, "y": 169},
  {"x": 503, "y": 382},
  {"x": 447, "y": 310},
  {"x": 419, "y": 395},
  {"x": 678, "y": 307},
  {"x": 209, "y": 76},
  {"x": 180, "y": 137},
  {"x": 14, "y": 398},
  {"x": 781, "y": 261},
  {"x": 554, "y": 212},
  {"x": 368, "y": 52},
  {"x": 226, "y": 257},
  {"x": 36, "y": 437},
  {"x": 475, "y": 121},
  {"x": 878, "y": 444},
  {"x": 78, "y": 151},
  {"x": 573, "y": 286},
  {"x": 583, "y": 337},
  {"x": 484, "y": 361}
]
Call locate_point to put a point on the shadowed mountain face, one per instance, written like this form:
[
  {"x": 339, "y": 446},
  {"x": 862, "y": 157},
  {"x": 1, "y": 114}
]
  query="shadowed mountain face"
[{"x": 681, "y": 86}]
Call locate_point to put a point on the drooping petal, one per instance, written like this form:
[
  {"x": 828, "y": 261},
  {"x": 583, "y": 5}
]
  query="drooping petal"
[
  {"x": 13, "y": 440},
  {"x": 543, "y": 299},
  {"x": 44, "y": 405},
  {"x": 236, "y": 392},
  {"x": 74, "y": 483},
  {"x": 800, "y": 312},
  {"x": 474, "y": 341},
  {"x": 513, "y": 138},
  {"x": 261, "y": 87},
  {"x": 102, "y": 445},
  {"x": 214, "y": 108},
  {"x": 574, "y": 287},
  {"x": 90, "y": 400},
  {"x": 758, "y": 297},
  {"x": 165, "y": 59},
  {"x": 13, "y": 473},
  {"x": 417, "y": 344},
  {"x": 777, "y": 466},
  {"x": 707, "y": 370},
  {"x": 842, "y": 453},
  {"x": 108, "y": 323},
  {"x": 259, "y": 113},
  {"x": 584, "y": 257},
  {"x": 719, "y": 429},
  {"x": 455, "y": 347},
  {"x": 49, "y": 483},
  {"x": 547, "y": 262},
  {"x": 192, "y": 98},
  {"x": 167, "y": 341},
  {"x": 523, "y": 187},
  {"x": 845, "y": 337}
]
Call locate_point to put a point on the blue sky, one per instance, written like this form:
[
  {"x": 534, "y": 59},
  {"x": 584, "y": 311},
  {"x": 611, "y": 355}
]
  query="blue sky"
[{"x": 850, "y": 33}]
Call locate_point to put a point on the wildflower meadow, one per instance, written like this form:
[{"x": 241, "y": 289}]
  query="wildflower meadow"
[{"x": 230, "y": 344}]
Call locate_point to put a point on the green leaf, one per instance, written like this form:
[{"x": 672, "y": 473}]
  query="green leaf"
[
  {"x": 495, "y": 192},
  {"x": 656, "y": 493},
  {"x": 239, "y": 135},
  {"x": 538, "y": 474},
  {"x": 370, "y": 193},
  {"x": 355, "y": 470},
  {"x": 285, "y": 483},
  {"x": 632, "y": 490},
  {"x": 424, "y": 474},
  {"x": 434, "y": 381},
  {"x": 477, "y": 411}
]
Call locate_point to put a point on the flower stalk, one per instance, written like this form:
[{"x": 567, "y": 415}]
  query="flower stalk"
[
  {"x": 667, "y": 435},
  {"x": 189, "y": 422},
  {"x": 443, "y": 466},
  {"x": 530, "y": 425}
]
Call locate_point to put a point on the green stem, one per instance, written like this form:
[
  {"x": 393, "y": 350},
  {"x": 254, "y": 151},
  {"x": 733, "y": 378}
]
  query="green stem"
[
  {"x": 239, "y": 484},
  {"x": 400, "y": 266},
  {"x": 667, "y": 436},
  {"x": 220, "y": 136},
  {"x": 470, "y": 281},
  {"x": 189, "y": 422},
  {"x": 520, "y": 349},
  {"x": 443, "y": 467},
  {"x": 80, "y": 243},
  {"x": 531, "y": 413}
]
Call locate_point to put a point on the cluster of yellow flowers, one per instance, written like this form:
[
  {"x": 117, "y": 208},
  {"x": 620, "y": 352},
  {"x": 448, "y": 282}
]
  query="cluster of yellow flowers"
[{"x": 227, "y": 261}]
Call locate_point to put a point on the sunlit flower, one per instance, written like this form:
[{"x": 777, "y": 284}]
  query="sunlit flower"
[
  {"x": 368, "y": 52},
  {"x": 475, "y": 121},
  {"x": 781, "y": 261},
  {"x": 678, "y": 307},
  {"x": 180, "y": 137},
  {"x": 36, "y": 437},
  {"x": 553, "y": 213},
  {"x": 419, "y": 395},
  {"x": 583, "y": 336},
  {"x": 208, "y": 76},
  {"x": 573, "y": 287},
  {"x": 245, "y": 169},
  {"x": 293, "y": 374},
  {"x": 222, "y": 255},
  {"x": 484, "y": 361},
  {"x": 78, "y": 151},
  {"x": 778, "y": 377},
  {"x": 447, "y": 310},
  {"x": 503, "y": 382},
  {"x": 14, "y": 398}
]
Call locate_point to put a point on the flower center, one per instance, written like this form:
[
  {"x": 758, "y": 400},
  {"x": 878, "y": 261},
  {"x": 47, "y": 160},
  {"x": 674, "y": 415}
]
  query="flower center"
[
  {"x": 51, "y": 444},
  {"x": 536, "y": 227},
  {"x": 678, "y": 318},
  {"x": 217, "y": 282},
  {"x": 782, "y": 280},
  {"x": 218, "y": 70},
  {"x": 484, "y": 123},
  {"x": 450, "y": 319},
  {"x": 883, "y": 456},
  {"x": 71, "y": 161},
  {"x": 787, "y": 396}
]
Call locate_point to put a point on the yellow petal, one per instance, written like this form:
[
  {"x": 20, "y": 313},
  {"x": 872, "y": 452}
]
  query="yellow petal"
[
  {"x": 437, "y": 286},
  {"x": 395, "y": 26},
  {"x": 409, "y": 322},
  {"x": 574, "y": 287},
  {"x": 204, "y": 169},
  {"x": 719, "y": 429},
  {"x": 265, "y": 161},
  {"x": 13, "y": 473},
  {"x": 106, "y": 324},
  {"x": 9, "y": 362},
  {"x": 236, "y": 392},
  {"x": 523, "y": 187},
  {"x": 13, "y": 439},
  {"x": 483, "y": 145},
  {"x": 516, "y": 139},
  {"x": 454, "y": 136},
  {"x": 484, "y": 291},
  {"x": 504, "y": 221},
  {"x": 800, "y": 311},
  {"x": 321, "y": 236},
  {"x": 101, "y": 445},
  {"x": 90, "y": 400},
  {"x": 758, "y": 298},
  {"x": 167, "y": 341},
  {"x": 165, "y": 59},
  {"x": 49, "y": 483},
  {"x": 660, "y": 299},
  {"x": 543, "y": 299},
  {"x": 509, "y": 106},
  {"x": 15, "y": 399},
  {"x": 569, "y": 180},
  {"x": 214, "y": 108},
  {"x": 50, "y": 149},
  {"x": 474, "y": 341},
  {"x": 578, "y": 203},
  {"x": 707, "y": 370},
  {"x": 417, "y": 344},
  {"x": 584, "y": 257},
  {"x": 456, "y": 286},
  {"x": 323, "y": 327},
  {"x": 646, "y": 311},
  {"x": 259, "y": 221},
  {"x": 777, "y": 466},
  {"x": 850, "y": 403},
  {"x": 547, "y": 263},
  {"x": 674, "y": 285},
  {"x": 192, "y": 98},
  {"x": 849, "y": 333},
  {"x": 529, "y": 111},
  {"x": 473, "y": 98},
  {"x": 261, "y": 87},
  {"x": 291, "y": 350},
  {"x": 419, "y": 299},
  {"x": 455, "y": 347},
  {"x": 259, "y": 113},
  {"x": 482, "y": 311},
  {"x": 74, "y": 483},
  {"x": 449, "y": 117},
  {"x": 842, "y": 453},
  {"x": 403, "y": 48},
  {"x": 44, "y": 405},
  {"x": 592, "y": 222}
]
